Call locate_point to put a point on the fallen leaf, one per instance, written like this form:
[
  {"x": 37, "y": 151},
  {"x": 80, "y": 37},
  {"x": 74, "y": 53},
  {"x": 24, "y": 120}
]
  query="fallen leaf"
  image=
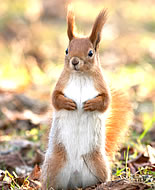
[
  {"x": 35, "y": 174},
  {"x": 140, "y": 159}
]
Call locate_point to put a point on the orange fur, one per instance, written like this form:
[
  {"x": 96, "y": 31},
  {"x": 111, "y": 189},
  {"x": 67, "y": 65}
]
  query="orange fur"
[
  {"x": 95, "y": 36},
  {"x": 96, "y": 104},
  {"x": 83, "y": 43},
  {"x": 52, "y": 166},
  {"x": 96, "y": 160},
  {"x": 71, "y": 23},
  {"x": 101, "y": 86},
  {"x": 117, "y": 123}
]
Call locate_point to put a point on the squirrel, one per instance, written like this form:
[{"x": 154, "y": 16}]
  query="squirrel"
[{"x": 89, "y": 120}]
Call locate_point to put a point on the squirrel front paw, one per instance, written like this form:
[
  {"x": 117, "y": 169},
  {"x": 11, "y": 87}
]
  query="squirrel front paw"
[
  {"x": 96, "y": 104},
  {"x": 90, "y": 105},
  {"x": 62, "y": 102},
  {"x": 69, "y": 104}
]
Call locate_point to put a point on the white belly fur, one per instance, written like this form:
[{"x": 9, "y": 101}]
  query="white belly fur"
[{"x": 79, "y": 131}]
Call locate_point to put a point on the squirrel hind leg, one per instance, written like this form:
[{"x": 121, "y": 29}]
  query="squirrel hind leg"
[
  {"x": 51, "y": 167},
  {"x": 98, "y": 165}
]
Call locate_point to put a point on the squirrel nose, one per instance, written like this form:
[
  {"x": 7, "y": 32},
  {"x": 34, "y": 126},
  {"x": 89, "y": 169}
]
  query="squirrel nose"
[{"x": 75, "y": 61}]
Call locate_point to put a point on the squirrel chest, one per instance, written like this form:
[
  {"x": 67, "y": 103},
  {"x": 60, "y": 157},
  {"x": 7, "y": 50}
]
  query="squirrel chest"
[
  {"x": 79, "y": 131},
  {"x": 80, "y": 88}
]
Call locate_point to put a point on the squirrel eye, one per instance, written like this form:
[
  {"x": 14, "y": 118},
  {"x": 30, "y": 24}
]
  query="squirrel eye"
[
  {"x": 90, "y": 53},
  {"x": 66, "y": 51}
]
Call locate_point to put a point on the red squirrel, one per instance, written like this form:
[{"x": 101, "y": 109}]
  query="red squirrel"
[{"x": 89, "y": 118}]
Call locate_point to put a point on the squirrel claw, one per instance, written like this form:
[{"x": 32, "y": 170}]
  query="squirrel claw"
[
  {"x": 89, "y": 106},
  {"x": 70, "y": 105}
]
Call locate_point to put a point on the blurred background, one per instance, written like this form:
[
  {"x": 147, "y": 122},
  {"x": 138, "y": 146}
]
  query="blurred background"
[{"x": 33, "y": 41}]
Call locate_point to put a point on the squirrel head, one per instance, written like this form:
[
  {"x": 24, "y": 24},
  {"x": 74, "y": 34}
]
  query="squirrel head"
[{"x": 81, "y": 54}]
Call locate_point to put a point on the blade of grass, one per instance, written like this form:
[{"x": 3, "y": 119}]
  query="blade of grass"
[{"x": 148, "y": 127}]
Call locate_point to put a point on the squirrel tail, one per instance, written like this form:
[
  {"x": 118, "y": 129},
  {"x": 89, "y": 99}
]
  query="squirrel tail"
[{"x": 117, "y": 123}]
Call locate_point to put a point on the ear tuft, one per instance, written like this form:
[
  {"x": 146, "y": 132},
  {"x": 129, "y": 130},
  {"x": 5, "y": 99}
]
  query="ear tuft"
[
  {"x": 70, "y": 22},
  {"x": 95, "y": 35}
]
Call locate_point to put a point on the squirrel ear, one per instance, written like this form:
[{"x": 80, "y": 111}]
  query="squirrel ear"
[
  {"x": 70, "y": 22},
  {"x": 95, "y": 35}
]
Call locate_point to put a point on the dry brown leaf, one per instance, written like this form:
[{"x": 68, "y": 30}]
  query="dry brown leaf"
[
  {"x": 140, "y": 159},
  {"x": 35, "y": 174}
]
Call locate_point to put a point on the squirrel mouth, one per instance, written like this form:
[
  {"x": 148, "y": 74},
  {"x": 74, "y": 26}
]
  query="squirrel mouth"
[{"x": 75, "y": 68}]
